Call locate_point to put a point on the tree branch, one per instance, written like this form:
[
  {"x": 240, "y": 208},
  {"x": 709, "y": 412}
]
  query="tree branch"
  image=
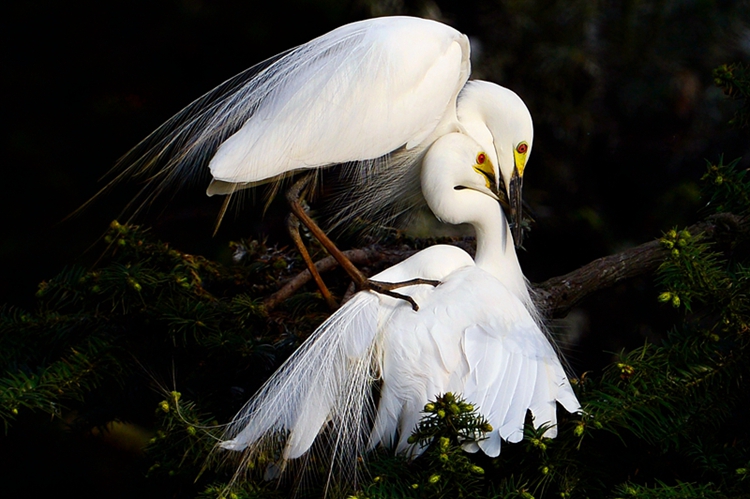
[{"x": 555, "y": 297}]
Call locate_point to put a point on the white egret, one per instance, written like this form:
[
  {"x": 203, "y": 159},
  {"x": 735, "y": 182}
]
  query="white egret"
[
  {"x": 475, "y": 334},
  {"x": 373, "y": 94}
]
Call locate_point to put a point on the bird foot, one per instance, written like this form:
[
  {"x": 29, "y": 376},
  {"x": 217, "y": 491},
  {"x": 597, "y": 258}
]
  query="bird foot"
[{"x": 386, "y": 288}]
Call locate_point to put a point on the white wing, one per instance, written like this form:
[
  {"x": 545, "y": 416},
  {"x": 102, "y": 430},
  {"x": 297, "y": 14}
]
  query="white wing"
[
  {"x": 472, "y": 337},
  {"x": 353, "y": 94},
  {"x": 311, "y": 381},
  {"x": 327, "y": 382},
  {"x": 356, "y": 93}
]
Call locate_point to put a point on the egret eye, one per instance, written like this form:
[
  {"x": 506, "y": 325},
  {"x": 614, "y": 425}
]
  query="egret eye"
[
  {"x": 522, "y": 148},
  {"x": 481, "y": 158}
]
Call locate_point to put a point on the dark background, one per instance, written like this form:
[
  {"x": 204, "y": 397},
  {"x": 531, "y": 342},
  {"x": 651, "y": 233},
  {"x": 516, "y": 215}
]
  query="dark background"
[{"x": 625, "y": 111}]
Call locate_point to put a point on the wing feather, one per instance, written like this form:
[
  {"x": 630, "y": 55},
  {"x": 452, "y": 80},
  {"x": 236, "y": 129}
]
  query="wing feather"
[{"x": 356, "y": 93}]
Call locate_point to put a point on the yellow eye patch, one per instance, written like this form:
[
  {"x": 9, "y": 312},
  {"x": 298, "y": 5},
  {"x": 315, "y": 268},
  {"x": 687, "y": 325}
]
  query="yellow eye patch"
[
  {"x": 519, "y": 156},
  {"x": 484, "y": 167}
]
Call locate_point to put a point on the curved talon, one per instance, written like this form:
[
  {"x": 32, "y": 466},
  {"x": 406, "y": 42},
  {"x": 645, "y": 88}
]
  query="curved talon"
[{"x": 386, "y": 288}]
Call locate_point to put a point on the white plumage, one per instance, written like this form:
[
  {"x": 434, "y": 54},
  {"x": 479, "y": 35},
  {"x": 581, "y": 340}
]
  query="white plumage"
[
  {"x": 475, "y": 334},
  {"x": 373, "y": 94}
]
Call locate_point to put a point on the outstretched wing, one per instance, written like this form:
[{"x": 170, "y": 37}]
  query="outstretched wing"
[
  {"x": 326, "y": 381},
  {"x": 513, "y": 367},
  {"x": 472, "y": 337},
  {"x": 326, "y": 385}
]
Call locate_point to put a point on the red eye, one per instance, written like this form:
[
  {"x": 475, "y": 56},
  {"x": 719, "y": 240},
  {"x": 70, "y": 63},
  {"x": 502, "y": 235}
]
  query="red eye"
[
  {"x": 481, "y": 158},
  {"x": 522, "y": 148}
]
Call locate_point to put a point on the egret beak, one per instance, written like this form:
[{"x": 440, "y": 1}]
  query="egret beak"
[{"x": 515, "y": 200}]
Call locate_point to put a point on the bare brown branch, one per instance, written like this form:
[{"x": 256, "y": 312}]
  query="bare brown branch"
[{"x": 556, "y": 296}]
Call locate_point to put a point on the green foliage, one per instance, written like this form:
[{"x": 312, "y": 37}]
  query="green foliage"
[
  {"x": 663, "y": 420},
  {"x": 734, "y": 80},
  {"x": 103, "y": 342},
  {"x": 444, "y": 470}
]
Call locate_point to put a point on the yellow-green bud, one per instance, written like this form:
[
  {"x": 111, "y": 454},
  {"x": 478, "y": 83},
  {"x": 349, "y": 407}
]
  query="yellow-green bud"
[
  {"x": 719, "y": 180},
  {"x": 477, "y": 470},
  {"x": 434, "y": 479},
  {"x": 667, "y": 244},
  {"x": 443, "y": 458},
  {"x": 579, "y": 429},
  {"x": 415, "y": 486},
  {"x": 545, "y": 470},
  {"x": 626, "y": 371},
  {"x": 454, "y": 408},
  {"x": 685, "y": 234},
  {"x": 429, "y": 407},
  {"x": 443, "y": 443},
  {"x": 233, "y": 496},
  {"x": 665, "y": 296},
  {"x": 176, "y": 395},
  {"x": 441, "y": 413},
  {"x": 14, "y": 411},
  {"x": 377, "y": 479},
  {"x": 675, "y": 301},
  {"x": 164, "y": 406},
  {"x": 191, "y": 431},
  {"x": 675, "y": 253},
  {"x": 672, "y": 234}
]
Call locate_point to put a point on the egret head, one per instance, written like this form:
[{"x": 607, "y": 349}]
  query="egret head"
[
  {"x": 454, "y": 168},
  {"x": 500, "y": 122}
]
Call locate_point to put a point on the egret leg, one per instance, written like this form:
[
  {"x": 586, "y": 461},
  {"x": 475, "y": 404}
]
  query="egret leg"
[
  {"x": 293, "y": 197},
  {"x": 292, "y": 224}
]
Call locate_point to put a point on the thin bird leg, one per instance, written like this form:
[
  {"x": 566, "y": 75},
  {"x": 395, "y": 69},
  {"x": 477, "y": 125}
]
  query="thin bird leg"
[
  {"x": 292, "y": 225},
  {"x": 293, "y": 197}
]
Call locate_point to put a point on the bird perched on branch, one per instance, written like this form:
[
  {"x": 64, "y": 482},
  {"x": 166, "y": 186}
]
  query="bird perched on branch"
[
  {"x": 374, "y": 95},
  {"x": 475, "y": 334}
]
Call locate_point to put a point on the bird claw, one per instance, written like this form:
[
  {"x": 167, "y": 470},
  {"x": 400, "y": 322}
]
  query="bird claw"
[{"x": 386, "y": 288}]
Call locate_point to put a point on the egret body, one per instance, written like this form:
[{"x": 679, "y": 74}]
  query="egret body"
[
  {"x": 475, "y": 334},
  {"x": 374, "y": 94}
]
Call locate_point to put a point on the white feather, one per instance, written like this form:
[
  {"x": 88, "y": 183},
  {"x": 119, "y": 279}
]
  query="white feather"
[
  {"x": 373, "y": 95},
  {"x": 474, "y": 335}
]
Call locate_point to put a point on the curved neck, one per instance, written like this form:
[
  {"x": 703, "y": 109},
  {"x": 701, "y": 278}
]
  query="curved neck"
[{"x": 495, "y": 251}]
